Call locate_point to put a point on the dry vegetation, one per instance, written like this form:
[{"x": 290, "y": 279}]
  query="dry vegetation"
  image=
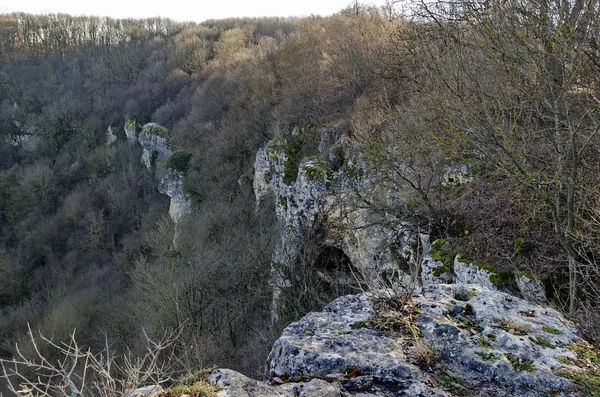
[{"x": 511, "y": 90}]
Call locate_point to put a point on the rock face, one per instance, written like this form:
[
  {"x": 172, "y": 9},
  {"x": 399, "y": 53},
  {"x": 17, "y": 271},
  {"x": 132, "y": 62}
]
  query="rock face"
[
  {"x": 235, "y": 384},
  {"x": 486, "y": 335},
  {"x": 314, "y": 196},
  {"x": 440, "y": 266},
  {"x": 446, "y": 340},
  {"x": 110, "y": 136},
  {"x": 171, "y": 184},
  {"x": 155, "y": 140}
]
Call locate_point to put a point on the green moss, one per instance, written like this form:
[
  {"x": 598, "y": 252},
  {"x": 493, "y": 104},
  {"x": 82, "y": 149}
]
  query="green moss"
[
  {"x": 283, "y": 201},
  {"x": 195, "y": 385},
  {"x": 294, "y": 150},
  {"x": 486, "y": 356},
  {"x": 452, "y": 384},
  {"x": 274, "y": 155},
  {"x": 470, "y": 324},
  {"x": 586, "y": 379},
  {"x": 159, "y": 130},
  {"x": 551, "y": 330},
  {"x": 483, "y": 342},
  {"x": 544, "y": 342},
  {"x": 351, "y": 171},
  {"x": 314, "y": 171},
  {"x": 520, "y": 364},
  {"x": 179, "y": 161},
  {"x": 438, "y": 271},
  {"x": 438, "y": 244},
  {"x": 131, "y": 124},
  {"x": 441, "y": 253},
  {"x": 587, "y": 382},
  {"x": 464, "y": 293},
  {"x": 586, "y": 351},
  {"x": 564, "y": 360}
]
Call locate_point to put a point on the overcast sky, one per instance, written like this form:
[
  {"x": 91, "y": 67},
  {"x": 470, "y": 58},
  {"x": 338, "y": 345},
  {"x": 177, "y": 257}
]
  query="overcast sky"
[{"x": 181, "y": 10}]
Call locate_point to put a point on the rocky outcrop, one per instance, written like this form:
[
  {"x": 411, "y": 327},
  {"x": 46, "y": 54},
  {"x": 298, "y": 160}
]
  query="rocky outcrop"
[
  {"x": 171, "y": 184},
  {"x": 130, "y": 128},
  {"x": 155, "y": 141},
  {"x": 234, "y": 384},
  {"x": 446, "y": 340},
  {"x": 110, "y": 136},
  {"x": 441, "y": 266},
  {"x": 312, "y": 195}
]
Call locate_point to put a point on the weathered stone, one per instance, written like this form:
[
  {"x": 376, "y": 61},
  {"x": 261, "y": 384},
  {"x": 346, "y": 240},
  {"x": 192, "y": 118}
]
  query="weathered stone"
[
  {"x": 156, "y": 147},
  {"x": 235, "y": 384},
  {"x": 171, "y": 184},
  {"x": 110, "y": 136},
  {"x": 492, "y": 341},
  {"x": 374, "y": 247},
  {"x": 468, "y": 273},
  {"x": 147, "y": 391},
  {"x": 478, "y": 331},
  {"x": 531, "y": 288},
  {"x": 457, "y": 175},
  {"x": 434, "y": 272}
]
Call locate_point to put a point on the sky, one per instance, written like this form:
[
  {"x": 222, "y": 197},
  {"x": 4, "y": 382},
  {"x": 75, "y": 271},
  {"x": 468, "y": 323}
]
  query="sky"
[{"x": 181, "y": 10}]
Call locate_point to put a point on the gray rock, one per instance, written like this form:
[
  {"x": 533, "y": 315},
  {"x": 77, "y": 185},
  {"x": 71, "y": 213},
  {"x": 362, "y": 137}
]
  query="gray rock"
[
  {"x": 171, "y": 184},
  {"x": 494, "y": 342},
  {"x": 110, "y": 136},
  {"x": 479, "y": 331},
  {"x": 468, "y": 273},
  {"x": 147, "y": 391},
  {"x": 372, "y": 241},
  {"x": 531, "y": 288},
  {"x": 457, "y": 175},
  {"x": 156, "y": 146},
  {"x": 431, "y": 274},
  {"x": 235, "y": 384}
]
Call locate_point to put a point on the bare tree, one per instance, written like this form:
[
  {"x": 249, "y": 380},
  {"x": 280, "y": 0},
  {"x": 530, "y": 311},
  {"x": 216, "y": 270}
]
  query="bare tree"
[
  {"x": 79, "y": 372},
  {"x": 520, "y": 91}
]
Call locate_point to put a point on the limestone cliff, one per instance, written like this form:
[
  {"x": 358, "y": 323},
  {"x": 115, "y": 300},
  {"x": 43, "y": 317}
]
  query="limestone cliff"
[{"x": 156, "y": 143}]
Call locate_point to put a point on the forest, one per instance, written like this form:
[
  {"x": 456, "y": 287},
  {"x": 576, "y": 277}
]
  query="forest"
[{"x": 509, "y": 88}]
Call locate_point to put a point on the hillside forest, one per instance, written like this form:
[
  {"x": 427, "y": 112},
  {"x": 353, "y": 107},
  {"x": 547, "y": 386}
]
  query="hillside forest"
[{"x": 509, "y": 89}]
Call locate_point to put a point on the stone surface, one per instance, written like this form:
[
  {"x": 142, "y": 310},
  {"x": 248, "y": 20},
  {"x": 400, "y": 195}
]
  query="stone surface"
[
  {"x": 156, "y": 147},
  {"x": 493, "y": 342},
  {"x": 110, "y": 136},
  {"x": 325, "y": 342},
  {"x": 478, "y": 331},
  {"x": 235, "y": 384},
  {"x": 434, "y": 272},
  {"x": 171, "y": 184},
  {"x": 147, "y": 391},
  {"x": 468, "y": 273},
  {"x": 531, "y": 288},
  {"x": 457, "y": 175},
  {"x": 321, "y": 198}
]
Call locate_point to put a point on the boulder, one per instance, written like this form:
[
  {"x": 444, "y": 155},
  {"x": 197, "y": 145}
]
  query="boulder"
[{"x": 485, "y": 341}]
